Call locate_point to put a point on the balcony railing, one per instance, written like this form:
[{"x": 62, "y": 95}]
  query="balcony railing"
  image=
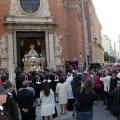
[{"x": 97, "y": 43}]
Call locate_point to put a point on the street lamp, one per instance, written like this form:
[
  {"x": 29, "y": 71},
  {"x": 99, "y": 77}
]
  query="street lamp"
[
  {"x": 115, "y": 51},
  {"x": 85, "y": 34}
]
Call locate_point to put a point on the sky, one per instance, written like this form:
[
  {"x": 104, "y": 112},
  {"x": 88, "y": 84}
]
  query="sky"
[{"x": 108, "y": 12}]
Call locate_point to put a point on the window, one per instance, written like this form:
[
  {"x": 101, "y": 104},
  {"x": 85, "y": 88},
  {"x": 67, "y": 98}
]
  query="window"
[{"x": 30, "y": 6}]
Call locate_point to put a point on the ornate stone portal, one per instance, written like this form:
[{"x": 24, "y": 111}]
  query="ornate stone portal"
[{"x": 42, "y": 20}]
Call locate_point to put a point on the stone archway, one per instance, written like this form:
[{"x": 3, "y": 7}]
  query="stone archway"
[{"x": 25, "y": 39}]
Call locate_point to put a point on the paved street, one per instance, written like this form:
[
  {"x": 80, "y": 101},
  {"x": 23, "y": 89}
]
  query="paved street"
[{"x": 99, "y": 113}]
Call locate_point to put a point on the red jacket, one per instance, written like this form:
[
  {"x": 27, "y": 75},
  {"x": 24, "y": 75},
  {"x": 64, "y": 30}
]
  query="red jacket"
[
  {"x": 97, "y": 82},
  {"x": 0, "y": 82}
]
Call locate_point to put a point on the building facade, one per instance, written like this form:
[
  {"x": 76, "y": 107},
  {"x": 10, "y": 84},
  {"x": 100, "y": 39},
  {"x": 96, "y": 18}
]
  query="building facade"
[
  {"x": 118, "y": 49},
  {"x": 95, "y": 49},
  {"x": 54, "y": 27},
  {"x": 106, "y": 43}
]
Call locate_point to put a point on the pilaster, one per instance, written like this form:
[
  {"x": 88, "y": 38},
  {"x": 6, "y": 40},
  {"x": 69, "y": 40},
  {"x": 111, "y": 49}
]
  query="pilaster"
[{"x": 51, "y": 50}]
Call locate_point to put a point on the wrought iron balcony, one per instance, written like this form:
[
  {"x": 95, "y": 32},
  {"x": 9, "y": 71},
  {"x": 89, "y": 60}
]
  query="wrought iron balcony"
[{"x": 97, "y": 43}]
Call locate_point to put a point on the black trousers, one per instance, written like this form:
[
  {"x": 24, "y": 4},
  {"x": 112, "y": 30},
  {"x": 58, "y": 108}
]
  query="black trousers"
[
  {"x": 70, "y": 104},
  {"x": 108, "y": 99},
  {"x": 27, "y": 116}
]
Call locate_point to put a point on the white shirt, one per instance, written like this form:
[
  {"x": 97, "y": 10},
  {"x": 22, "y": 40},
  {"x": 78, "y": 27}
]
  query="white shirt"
[
  {"x": 106, "y": 82},
  {"x": 69, "y": 87},
  {"x": 1, "y": 108},
  {"x": 68, "y": 81},
  {"x": 47, "y": 81},
  {"x": 9, "y": 94},
  {"x": 118, "y": 75}
]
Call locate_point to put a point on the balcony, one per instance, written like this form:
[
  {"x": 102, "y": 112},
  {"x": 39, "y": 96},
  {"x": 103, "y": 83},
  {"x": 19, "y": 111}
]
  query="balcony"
[{"x": 97, "y": 43}]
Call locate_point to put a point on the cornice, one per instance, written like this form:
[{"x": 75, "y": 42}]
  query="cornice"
[
  {"x": 71, "y": 5},
  {"x": 91, "y": 2}
]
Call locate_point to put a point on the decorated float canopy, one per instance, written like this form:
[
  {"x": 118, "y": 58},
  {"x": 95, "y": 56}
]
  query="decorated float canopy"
[{"x": 33, "y": 61}]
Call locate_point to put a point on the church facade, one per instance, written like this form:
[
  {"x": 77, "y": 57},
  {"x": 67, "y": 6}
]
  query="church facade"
[{"x": 54, "y": 27}]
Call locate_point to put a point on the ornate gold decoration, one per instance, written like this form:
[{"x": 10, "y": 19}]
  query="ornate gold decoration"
[
  {"x": 22, "y": 43},
  {"x": 38, "y": 42},
  {"x": 32, "y": 61}
]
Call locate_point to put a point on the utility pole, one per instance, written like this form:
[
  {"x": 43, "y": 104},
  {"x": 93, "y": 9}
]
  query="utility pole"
[
  {"x": 115, "y": 52},
  {"x": 85, "y": 33}
]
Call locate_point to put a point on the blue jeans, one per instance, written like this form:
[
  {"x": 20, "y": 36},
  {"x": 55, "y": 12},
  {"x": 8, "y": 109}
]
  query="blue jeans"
[{"x": 88, "y": 115}]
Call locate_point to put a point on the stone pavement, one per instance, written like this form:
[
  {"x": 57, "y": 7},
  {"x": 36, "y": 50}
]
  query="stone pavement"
[{"x": 99, "y": 113}]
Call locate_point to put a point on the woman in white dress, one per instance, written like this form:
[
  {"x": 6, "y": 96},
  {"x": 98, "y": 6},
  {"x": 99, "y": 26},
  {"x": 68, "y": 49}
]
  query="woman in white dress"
[
  {"x": 48, "y": 102},
  {"x": 61, "y": 92}
]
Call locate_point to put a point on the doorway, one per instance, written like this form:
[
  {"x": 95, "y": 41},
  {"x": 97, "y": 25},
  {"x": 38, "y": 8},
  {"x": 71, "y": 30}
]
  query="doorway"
[{"x": 25, "y": 39}]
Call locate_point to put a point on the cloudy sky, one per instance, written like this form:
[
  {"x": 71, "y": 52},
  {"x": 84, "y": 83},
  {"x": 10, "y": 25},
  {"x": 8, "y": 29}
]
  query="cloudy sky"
[{"x": 108, "y": 12}]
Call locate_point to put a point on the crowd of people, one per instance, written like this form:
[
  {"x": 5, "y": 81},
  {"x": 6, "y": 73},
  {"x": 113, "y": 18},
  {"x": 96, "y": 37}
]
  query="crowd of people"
[{"x": 75, "y": 91}]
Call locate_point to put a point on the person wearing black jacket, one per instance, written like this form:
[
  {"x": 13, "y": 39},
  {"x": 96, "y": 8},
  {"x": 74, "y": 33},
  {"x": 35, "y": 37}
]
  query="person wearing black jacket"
[
  {"x": 46, "y": 78},
  {"x": 25, "y": 102},
  {"x": 32, "y": 85},
  {"x": 113, "y": 81},
  {"x": 11, "y": 105},
  {"x": 113, "y": 84},
  {"x": 4, "y": 115},
  {"x": 67, "y": 64},
  {"x": 115, "y": 108},
  {"x": 35, "y": 89},
  {"x": 85, "y": 97}
]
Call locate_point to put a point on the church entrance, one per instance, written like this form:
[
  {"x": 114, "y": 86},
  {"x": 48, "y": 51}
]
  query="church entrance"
[{"x": 25, "y": 40}]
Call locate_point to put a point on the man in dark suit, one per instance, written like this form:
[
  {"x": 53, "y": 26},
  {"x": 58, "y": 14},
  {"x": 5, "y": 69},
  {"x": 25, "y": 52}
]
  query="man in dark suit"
[
  {"x": 25, "y": 102},
  {"x": 35, "y": 89},
  {"x": 32, "y": 85},
  {"x": 113, "y": 81}
]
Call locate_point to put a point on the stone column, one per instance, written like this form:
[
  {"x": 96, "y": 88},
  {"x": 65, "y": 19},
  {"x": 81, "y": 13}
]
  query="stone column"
[
  {"x": 51, "y": 50},
  {"x": 15, "y": 50},
  {"x": 10, "y": 56},
  {"x": 47, "y": 47}
]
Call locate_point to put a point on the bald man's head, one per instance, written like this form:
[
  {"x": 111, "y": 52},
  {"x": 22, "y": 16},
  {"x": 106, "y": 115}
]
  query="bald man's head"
[
  {"x": 106, "y": 73},
  {"x": 25, "y": 84}
]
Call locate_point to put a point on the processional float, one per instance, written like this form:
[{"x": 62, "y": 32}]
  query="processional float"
[{"x": 33, "y": 61}]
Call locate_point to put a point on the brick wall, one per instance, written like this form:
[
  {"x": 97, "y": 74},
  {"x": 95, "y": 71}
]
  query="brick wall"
[
  {"x": 4, "y": 11},
  {"x": 69, "y": 26},
  {"x": 94, "y": 27}
]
